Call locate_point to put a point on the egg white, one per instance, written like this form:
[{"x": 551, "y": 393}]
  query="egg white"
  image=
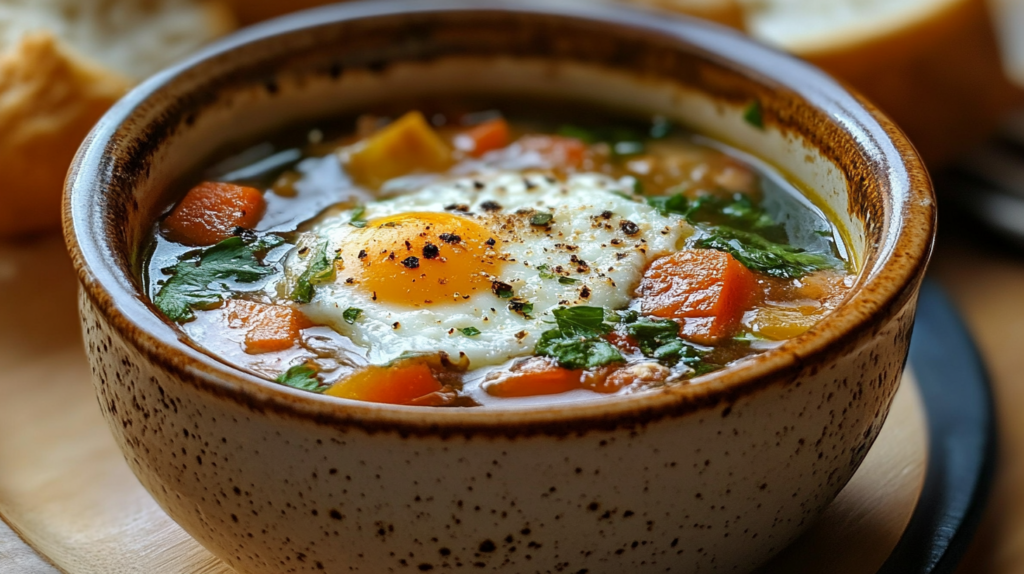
[{"x": 586, "y": 242}]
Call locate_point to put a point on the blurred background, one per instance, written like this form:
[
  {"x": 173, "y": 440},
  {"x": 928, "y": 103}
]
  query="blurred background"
[{"x": 950, "y": 72}]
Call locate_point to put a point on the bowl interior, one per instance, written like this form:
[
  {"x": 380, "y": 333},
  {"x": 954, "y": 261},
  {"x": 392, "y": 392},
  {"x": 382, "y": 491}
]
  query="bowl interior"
[{"x": 339, "y": 60}]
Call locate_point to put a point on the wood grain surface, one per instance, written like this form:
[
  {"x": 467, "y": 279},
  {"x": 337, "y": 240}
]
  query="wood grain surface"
[{"x": 66, "y": 490}]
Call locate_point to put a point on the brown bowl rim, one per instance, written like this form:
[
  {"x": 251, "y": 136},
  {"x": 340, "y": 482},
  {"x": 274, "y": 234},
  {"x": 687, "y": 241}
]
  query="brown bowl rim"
[{"x": 909, "y": 237}]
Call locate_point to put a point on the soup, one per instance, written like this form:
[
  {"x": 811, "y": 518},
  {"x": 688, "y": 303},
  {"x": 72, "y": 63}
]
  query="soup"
[{"x": 446, "y": 257}]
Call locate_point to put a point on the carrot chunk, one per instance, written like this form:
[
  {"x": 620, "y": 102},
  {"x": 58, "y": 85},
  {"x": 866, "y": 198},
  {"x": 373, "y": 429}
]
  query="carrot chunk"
[
  {"x": 559, "y": 151},
  {"x": 488, "y": 136},
  {"x": 538, "y": 377},
  {"x": 268, "y": 327},
  {"x": 707, "y": 290},
  {"x": 406, "y": 145},
  {"x": 396, "y": 385},
  {"x": 211, "y": 211}
]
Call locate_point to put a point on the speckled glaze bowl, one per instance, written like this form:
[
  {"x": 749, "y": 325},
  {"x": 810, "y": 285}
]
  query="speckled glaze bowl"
[{"x": 708, "y": 477}]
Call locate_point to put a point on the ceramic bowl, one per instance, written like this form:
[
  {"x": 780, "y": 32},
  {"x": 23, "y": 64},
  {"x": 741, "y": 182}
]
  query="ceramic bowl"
[{"x": 714, "y": 476}]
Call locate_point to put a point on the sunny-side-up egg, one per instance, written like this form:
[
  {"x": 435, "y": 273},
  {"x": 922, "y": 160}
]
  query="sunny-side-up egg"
[{"x": 494, "y": 254}]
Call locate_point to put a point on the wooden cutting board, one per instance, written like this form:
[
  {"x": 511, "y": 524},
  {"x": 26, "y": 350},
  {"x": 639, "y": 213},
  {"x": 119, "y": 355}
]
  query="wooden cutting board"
[{"x": 66, "y": 490}]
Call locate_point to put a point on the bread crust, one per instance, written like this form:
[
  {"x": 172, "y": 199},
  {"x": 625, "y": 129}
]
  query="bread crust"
[{"x": 49, "y": 100}]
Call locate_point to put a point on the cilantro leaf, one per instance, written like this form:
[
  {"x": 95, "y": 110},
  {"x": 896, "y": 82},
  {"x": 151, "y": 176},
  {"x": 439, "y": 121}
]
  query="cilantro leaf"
[
  {"x": 351, "y": 314},
  {"x": 304, "y": 377},
  {"x": 764, "y": 256},
  {"x": 320, "y": 270},
  {"x": 193, "y": 282},
  {"x": 470, "y": 331}
]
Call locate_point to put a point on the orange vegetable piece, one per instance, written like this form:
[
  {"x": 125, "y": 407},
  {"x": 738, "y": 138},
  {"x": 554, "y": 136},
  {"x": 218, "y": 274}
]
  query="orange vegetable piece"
[
  {"x": 708, "y": 290},
  {"x": 405, "y": 146},
  {"x": 211, "y": 211},
  {"x": 268, "y": 327},
  {"x": 560, "y": 151},
  {"x": 396, "y": 385},
  {"x": 539, "y": 377},
  {"x": 488, "y": 136}
]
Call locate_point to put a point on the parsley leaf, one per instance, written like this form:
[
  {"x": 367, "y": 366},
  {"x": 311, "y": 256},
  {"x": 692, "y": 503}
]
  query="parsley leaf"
[
  {"x": 545, "y": 272},
  {"x": 193, "y": 281},
  {"x": 304, "y": 377},
  {"x": 576, "y": 343},
  {"x": 764, "y": 256},
  {"x": 576, "y": 352},
  {"x": 754, "y": 115},
  {"x": 351, "y": 314},
  {"x": 320, "y": 270},
  {"x": 470, "y": 331},
  {"x": 581, "y": 321},
  {"x": 659, "y": 339},
  {"x": 357, "y": 217},
  {"x": 568, "y": 280}
]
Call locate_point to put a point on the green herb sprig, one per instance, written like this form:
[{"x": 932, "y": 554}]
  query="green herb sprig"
[{"x": 197, "y": 278}]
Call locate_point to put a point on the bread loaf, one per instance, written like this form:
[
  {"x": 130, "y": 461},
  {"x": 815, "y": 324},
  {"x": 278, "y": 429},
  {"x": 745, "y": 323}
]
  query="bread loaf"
[{"x": 62, "y": 64}]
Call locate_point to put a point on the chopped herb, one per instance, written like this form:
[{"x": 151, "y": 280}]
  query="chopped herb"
[
  {"x": 576, "y": 343},
  {"x": 737, "y": 211},
  {"x": 351, "y": 314},
  {"x": 638, "y": 186},
  {"x": 666, "y": 204},
  {"x": 191, "y": 287},
  {"x": 622, "y": 140},
  {"x": 304, "y": 377},
  {"x": 764, "y": 256},
  {"x": 470, "y": 331},
  {"x": 541, "y": 219},
  {"x": 320, "y": 270},
  {"x": 357, "y": 217},
  {"x": 545, "y": 271},
  {"x": 581, "y": 321},
  {"x": 502, "y": 290},
  {"x": 575, "y": 352},
  {"x": 568, "y": 280},
  {"x": 621, "y": 316},
  {"x": 753, "y": 115},
  {"x": 659, "y": 339},
  {"x": 521, "y": 306}
]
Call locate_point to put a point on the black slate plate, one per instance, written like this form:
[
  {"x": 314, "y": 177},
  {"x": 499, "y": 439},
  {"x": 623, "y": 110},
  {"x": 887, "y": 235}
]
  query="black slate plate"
[{"x": 962, "y": 438}]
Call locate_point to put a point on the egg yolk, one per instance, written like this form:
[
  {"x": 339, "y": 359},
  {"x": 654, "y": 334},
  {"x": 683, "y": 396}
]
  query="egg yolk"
[{"x": 422, "y": 258}]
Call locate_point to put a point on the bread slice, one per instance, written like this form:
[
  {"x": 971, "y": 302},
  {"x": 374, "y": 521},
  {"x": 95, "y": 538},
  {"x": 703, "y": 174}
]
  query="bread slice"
[{"x": 62, "y": 64}]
